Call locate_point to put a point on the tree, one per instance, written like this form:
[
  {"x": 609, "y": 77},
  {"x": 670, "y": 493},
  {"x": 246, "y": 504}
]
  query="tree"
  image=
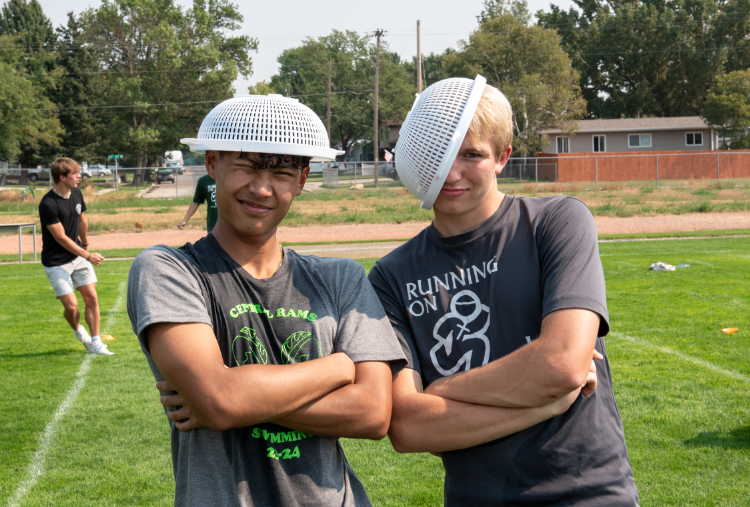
[
  {"x": 36, "y": 41},
  {"x": 728, "y": 108},
  {"x": 165, "y": 68},
  {"x": 432, "y": 67},
  {"x": 648, "y": 57},
  {"x": 81, "y": 96},
  {"x": 304, "y": 72},
  {"x": 25, "y": 116},
  {"x": 528, "y": 65},
  {"x": 519, "y": 9}
]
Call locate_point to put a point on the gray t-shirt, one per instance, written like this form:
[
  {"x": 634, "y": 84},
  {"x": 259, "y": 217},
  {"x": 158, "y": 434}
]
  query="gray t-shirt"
[
  {"x": 311, "y": 307},
  {"x": 460, "y": 302}
]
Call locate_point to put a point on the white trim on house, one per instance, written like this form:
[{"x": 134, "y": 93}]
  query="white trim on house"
[
  {"x": 693, "y": 134},
  {"x": 593, "y": 144},
  {"x": 640, "y": 136}
]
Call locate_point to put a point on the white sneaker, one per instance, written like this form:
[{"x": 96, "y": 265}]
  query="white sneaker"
[
  {"x": 84, "y": 338},
  {"x": 99, "y": 348}
]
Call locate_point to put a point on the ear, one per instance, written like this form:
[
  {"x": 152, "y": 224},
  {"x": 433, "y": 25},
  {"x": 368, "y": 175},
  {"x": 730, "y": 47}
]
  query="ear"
[
  {"x": 212, "y": 157},
  {"x": 302, "y": 179},
  {"x": 502, "y": 160}
]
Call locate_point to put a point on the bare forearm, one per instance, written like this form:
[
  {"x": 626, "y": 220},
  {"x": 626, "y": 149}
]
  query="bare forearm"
[
  {"x": 346, "y": 412},
  {"x": 191, "y": 211},
  {"x": 548, "y": 368},
  {"x": 83, "y": 230},
  {"x": 72, "y": 247},
  {"x": 426, "y": 423}
]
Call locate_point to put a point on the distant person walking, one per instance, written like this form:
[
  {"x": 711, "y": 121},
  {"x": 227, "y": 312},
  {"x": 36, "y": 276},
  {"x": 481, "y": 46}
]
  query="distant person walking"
[
  {"x": 65, "y": 254},
  {"x": 205, "y": 191}
]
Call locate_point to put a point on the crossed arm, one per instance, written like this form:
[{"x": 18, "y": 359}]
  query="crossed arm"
[
  {"x": 534, "y": 383},
  {"x": 330, "y": 396}
]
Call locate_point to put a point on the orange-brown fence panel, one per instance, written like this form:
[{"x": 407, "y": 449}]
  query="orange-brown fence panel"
[{"x": 649, "y": 166}]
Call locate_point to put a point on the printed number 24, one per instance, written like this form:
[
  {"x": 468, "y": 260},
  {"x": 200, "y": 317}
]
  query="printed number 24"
[{"x": 284, "y": 454}]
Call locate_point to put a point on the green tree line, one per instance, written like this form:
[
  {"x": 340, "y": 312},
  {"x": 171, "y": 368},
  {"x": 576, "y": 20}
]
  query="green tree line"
[{"x": 134, "y": 76}]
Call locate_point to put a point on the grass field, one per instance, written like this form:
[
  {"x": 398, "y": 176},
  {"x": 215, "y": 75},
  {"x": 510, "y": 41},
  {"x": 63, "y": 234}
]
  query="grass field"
[
  {"x": 393, "y": 204},
  {"x": 681, "y": 385}
]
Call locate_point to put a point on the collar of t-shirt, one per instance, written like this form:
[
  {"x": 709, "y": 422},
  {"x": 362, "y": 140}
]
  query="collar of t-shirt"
[
  {"x": 476, "y": 233},
  {"x": 280, "y": 273}
]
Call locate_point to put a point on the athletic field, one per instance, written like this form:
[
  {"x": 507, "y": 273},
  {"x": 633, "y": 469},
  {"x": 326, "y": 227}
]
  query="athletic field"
[{"x": 84, "y": 430}]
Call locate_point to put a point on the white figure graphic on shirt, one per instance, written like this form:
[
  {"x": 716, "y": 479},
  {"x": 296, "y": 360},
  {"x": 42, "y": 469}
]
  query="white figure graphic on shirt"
[{"x": 457, "y": 321}]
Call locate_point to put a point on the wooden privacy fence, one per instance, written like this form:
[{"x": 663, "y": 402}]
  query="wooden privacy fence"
[{"x": 655, "y": 165}]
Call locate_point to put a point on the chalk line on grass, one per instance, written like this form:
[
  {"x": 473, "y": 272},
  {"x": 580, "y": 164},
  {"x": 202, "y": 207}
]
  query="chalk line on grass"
[
  {"x": 682, "y": 356},
  {"x": 36, "y": 467}
]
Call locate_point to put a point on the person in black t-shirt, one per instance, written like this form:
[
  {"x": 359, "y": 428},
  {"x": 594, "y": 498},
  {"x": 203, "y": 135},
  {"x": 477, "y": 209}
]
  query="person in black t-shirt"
[
  {"x": 500, "y": 306},
  {"x": 65, "y": 256}
]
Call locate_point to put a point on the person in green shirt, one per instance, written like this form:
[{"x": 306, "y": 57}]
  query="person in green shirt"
[{"x": 204, "y": 191}]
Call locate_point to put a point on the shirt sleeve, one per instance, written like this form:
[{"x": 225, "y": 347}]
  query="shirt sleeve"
[
  {"x": 364, "y": 333},
  {"x": 199, "y": 197},
  {"x": 48, "y": 213},
  {"x": 572, "y": 273},
  {"x": 162, "y": 288},
  {"x": 396, "y": 316}
]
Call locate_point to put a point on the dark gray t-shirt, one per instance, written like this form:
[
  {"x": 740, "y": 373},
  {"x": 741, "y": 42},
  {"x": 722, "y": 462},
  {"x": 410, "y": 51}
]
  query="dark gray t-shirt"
[
  {"x": 460, "y": 302},
  {"x": 311, "y": 307}
]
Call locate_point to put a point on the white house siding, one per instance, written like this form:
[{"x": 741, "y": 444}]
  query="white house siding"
[{"x": 617, "y": 142}]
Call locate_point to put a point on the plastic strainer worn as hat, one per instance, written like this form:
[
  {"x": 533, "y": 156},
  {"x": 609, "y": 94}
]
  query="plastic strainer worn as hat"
[
  {"x": 263, "y": 124},
  {"x": 433, "y": 132}
]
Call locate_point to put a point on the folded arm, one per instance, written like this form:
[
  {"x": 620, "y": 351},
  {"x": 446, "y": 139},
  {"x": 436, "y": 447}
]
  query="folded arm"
[
  {"x": 549, "y": 368},
  {"x": 423, "y": 422},
  {"x": 221, "y": 398},
  {"x": 358, "y": 410}
]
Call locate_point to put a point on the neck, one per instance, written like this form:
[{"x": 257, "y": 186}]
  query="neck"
[
  {"x": 449, "y": 224},
  {"x": 258, "y": 255},
  {"x": 62, "y": 189}
]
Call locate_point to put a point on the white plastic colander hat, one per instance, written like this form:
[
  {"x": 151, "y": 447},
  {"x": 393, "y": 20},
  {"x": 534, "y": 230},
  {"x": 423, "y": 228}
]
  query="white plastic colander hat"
[
  {"x": 433, "y": 132},
  {"x": 263, "y": 124}
]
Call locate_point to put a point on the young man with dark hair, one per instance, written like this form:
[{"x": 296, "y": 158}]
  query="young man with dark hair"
[
  {"x": 65, "y": 256},
  {"x": 500, "y": 306},
  {"x": 275, "y": 355}
]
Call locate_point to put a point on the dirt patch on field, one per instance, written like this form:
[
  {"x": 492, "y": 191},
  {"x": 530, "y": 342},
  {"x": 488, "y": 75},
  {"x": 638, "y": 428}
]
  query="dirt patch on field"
[{"x": 362, "y": 232}]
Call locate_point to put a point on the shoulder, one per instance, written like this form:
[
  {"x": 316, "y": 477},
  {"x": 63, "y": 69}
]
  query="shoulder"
[
  {"x": 206, "y": 180},
  {"x": 48, "y": 201},
  {"x": 160, "y": 260},
  {"x": 555, "y": 211},
  {"x": 402, "y": 255},
  {"x": 326, "y": 266}
]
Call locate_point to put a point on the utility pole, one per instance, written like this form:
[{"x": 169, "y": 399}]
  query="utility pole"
[
  {"x": 419, "y": 56},
  {"x": 378, "y": 34},
  {"x": 328, "y": 115}
]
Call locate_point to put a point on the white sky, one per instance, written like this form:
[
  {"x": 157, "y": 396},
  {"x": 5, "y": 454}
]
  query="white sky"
[{"x": 282, "y": 24}]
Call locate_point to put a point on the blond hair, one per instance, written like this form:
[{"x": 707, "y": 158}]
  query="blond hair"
[
  {"x": 494, "y": 120},
  {"x": 62, "y": 167}
]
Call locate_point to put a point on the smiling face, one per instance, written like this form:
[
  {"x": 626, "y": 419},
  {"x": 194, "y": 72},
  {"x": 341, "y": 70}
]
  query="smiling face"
[
  {"x": 253, "y": 201},
  {"x": 471, "y": 186}
]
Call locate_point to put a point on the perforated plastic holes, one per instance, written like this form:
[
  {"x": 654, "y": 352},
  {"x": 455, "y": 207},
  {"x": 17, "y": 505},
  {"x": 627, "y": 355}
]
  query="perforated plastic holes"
[
  {"x": 432, "y": 134},
  {"x": 263, "y": 124}
]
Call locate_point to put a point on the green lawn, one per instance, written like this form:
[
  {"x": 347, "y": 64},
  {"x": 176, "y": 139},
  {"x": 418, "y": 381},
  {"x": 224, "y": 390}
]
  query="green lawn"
[{"x": 681, "y": 385}]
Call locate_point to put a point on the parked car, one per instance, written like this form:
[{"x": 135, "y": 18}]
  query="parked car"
[
  {"x": 164, "y": 174},
  {"x": 177, "y": 167},
  {"x": 99, "y": 170},
  {"x": 39, "y": 174}
]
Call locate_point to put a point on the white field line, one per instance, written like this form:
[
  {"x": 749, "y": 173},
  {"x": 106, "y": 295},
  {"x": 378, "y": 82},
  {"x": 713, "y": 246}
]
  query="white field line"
[
  {"x": 682, "y": 356},
  {"x": 113, "y": 312},
  {"x": 36, "y": 467}
]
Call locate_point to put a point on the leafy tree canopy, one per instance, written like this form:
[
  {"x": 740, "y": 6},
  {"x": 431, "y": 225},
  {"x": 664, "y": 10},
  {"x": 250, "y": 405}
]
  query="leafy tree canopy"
[
  {"x": 728, "y": 107},
  {"x": 529, "y": 66},
  {"x": 303, "y": 73},
  {"x": 432, "y": 67},
  {"x": 25, "y": 117},
  {"x": 161, "y": 62},
  {"x": 653, "y": 57}
]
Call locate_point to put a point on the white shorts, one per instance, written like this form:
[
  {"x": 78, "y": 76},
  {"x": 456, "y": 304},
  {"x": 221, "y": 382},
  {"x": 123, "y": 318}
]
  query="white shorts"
[{"x": 76, "y": 273}]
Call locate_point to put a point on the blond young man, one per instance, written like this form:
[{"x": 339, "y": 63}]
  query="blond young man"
[
  {"x": 500, "y": 305},
  {"x": 65, "y": 256},
  {"x": 275, "y": 355}
]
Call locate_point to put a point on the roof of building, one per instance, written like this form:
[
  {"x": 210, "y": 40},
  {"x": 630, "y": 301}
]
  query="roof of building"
[{"x": 633, "y": 124}]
